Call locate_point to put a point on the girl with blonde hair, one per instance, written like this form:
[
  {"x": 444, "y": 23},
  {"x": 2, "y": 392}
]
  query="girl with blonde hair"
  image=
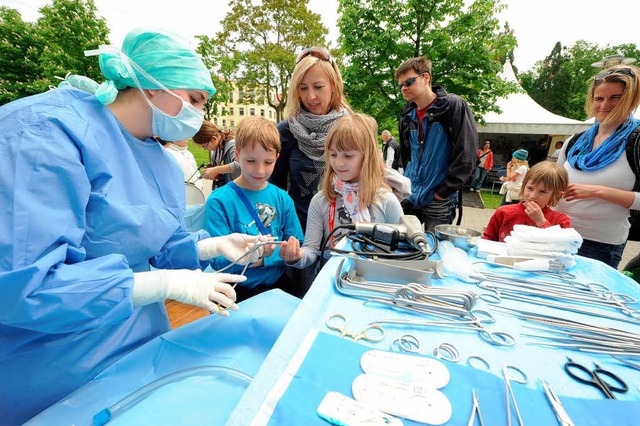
[
  {"x": 516, "y": 170},
  {"x": 352, "y": 190},
  {"x": 543, "y": 186}
]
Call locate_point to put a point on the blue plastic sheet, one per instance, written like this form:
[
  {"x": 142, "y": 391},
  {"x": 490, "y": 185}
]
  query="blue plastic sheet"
[
  {"x": 333, "y": 363},
  {"x": 240, "y": 342},
  {"x": 536, "y": 361}
]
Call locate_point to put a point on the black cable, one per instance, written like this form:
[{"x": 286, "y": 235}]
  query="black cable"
[
  {"x": 373, "y": 249},
  {"x": 323, "y": 243}
]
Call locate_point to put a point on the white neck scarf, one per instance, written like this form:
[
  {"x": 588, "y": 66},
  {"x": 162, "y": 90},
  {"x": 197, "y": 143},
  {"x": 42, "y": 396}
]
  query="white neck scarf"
[{"x": 351, "y": 200}]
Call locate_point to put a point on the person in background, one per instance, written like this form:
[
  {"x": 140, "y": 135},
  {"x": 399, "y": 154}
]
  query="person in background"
[
  {"x": 538, "y": 152},
  {"x": 543, "y": 186},
  {"x": 353, "y": 189},
  {"x": 76, "y": 249},
  {"x": 516, "y": 170},
  {"x": 438, "y": 142},
  {"x": 187, "y": 162},
  {"x": 602, "y": 163},
  {"x": 314, "y": 103},
  {"x": 390, "y": 151},
  {"x": 251, "y": 205},
  {"x": 484, "y": 165},
  {"x": 222, "y": 165},
  {"x": 556, "y": 152}
]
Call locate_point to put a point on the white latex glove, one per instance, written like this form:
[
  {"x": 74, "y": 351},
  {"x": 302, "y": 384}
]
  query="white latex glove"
[
  {"x": 231, "y": 246},
  {"x": 206, "y": 290}
]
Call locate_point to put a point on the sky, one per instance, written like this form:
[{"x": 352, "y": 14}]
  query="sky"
[{"x": 538, "y": 25}]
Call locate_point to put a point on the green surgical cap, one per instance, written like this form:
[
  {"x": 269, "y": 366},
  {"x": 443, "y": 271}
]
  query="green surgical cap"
[{"x": 165, "y": 56}]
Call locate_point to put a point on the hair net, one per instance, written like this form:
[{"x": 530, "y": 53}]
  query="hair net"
[{"x": 165, "y": 56}]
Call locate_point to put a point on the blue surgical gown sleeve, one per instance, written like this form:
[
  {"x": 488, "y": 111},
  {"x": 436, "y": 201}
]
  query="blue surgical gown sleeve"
[{"x": 48, "y": 282}]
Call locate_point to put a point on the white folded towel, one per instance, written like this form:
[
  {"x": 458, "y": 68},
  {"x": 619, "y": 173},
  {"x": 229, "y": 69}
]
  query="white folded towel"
[{"x": 560, "y": 244}]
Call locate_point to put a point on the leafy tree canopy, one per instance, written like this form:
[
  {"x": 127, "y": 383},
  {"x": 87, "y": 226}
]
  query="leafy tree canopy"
[
  {"x": 467, "y": 48},
  {"x": 561, "y": 80},
  {"x": 33, "y": 54},
  {"x": 20, "y": 50},
  {"x": 257, "y": 46}
]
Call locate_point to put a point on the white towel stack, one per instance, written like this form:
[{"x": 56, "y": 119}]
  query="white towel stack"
[{"x": 559, "y": 244}]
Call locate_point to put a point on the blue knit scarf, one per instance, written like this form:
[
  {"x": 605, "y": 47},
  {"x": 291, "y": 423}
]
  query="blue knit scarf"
[{"x": 581, "y": 157}]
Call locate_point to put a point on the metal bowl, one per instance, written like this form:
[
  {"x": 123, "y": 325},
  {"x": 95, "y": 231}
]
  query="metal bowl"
[{"x": 459, "y": 236}]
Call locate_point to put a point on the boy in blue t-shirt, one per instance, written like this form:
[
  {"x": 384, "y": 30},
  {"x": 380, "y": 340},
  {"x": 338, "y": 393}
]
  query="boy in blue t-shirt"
[{"x": 251, "y": 205}]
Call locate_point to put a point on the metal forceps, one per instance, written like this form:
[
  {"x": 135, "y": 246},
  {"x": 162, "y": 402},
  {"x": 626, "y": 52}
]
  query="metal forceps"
[
  {"x": 338, "y": 322},
  {"x": 407, "y": 343},
  {"x": 474, "y": 320},
  {"x": 596, "y": 378},
  {"x": 475, "y": 409},
  {"x": 509, "y": 391},
  {"x": 556, "y": 405}
]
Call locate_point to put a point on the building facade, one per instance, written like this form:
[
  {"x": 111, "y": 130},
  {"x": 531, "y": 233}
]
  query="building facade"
[{"x": 237, "y": 108}]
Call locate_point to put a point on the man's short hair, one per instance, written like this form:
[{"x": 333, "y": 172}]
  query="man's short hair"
[
  {"x": 420, "y": 65},
  {"x": 257, "y": 130}
]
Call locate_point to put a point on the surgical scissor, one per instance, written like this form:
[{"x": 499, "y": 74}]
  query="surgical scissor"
[
  {"x": 338, "y": 322},
  {"x": 596, "y": 378}
]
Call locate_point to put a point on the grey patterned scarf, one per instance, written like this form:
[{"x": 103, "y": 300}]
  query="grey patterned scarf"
[{"x": 310, "y": 130}]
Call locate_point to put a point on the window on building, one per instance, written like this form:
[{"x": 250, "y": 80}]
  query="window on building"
[
  {"x": 224, "y": 123},
  {"x": 231, "y": 110},
  {"x": 240, "y": 96},
  {"x": 233, "y": 124},
  {"x": 252, "y": 111},
  {"x": 231, "y": 97},
  {"x": 241, "y": 111},
  {"x": 261, "y": 113}
]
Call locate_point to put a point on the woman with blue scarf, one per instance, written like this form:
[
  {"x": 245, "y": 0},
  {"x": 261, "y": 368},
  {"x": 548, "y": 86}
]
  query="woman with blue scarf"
[{"x": 600, "y": 162}]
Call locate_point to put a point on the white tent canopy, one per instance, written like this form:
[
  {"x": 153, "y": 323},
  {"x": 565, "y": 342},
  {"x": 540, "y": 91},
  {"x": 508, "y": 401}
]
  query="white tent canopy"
[{"x": 522, "y": 115}]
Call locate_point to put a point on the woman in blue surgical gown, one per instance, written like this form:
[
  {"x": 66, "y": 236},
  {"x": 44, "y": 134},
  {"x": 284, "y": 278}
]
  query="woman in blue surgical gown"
[{"x": 89, "y": 201}]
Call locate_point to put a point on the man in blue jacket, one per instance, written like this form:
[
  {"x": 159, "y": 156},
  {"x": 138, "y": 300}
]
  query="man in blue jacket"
[{"x": 438, "y": 140}]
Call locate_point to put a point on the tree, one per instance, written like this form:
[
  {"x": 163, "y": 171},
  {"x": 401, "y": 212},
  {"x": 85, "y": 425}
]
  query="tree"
[
  {"x": 466, "y": 46},
  {"x": 32, "y": 55},
  {"x": 561, "y": 80},
  {"x": 257, "y": 45},
  {"x": 213, "y": 59},
  {"x": 20, "y": 49},
  {"x": 70, "y": 27}
]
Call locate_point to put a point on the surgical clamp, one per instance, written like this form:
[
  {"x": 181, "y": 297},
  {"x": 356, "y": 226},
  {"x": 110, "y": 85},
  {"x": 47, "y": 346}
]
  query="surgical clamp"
[{"x": 556, "y": 405}]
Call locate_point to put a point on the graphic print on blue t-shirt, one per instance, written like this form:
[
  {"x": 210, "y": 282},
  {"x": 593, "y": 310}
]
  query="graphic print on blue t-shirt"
[{"x": 266, "y": 213}]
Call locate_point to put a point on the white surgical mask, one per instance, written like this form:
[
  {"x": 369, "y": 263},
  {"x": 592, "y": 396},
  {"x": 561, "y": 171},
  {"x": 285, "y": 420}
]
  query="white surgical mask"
[{"x": 183, "y": 126}]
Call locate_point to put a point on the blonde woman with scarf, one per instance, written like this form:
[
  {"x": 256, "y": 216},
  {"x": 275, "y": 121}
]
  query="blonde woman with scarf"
[
  {"x": 353, "y": 189},
  {"x": 315, "y": 102}
]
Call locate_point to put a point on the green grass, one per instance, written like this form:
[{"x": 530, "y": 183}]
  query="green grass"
[
  {"x": 491, "y": 201},
  {"x": 201, "y": 155}
]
